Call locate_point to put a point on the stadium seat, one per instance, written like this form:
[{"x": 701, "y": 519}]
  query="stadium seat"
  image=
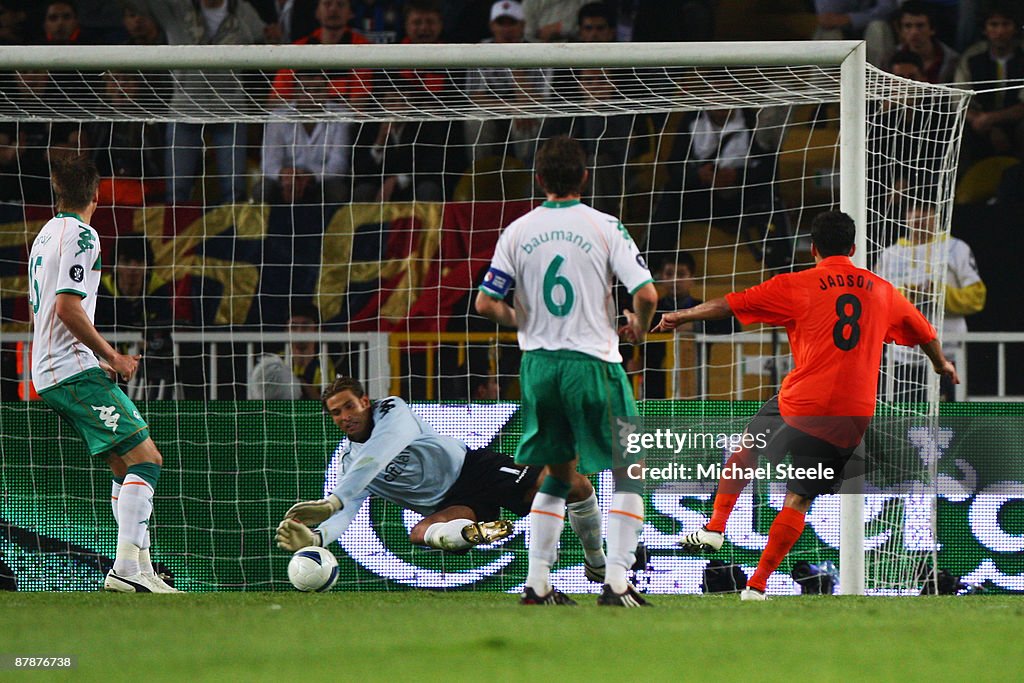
[
  {"x": 979, "y": 183},
  {"x": 494, "y": 178}
]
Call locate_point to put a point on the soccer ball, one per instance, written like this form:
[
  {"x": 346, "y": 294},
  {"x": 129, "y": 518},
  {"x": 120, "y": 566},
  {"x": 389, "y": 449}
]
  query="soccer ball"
[{"x": 313, "y": 569}]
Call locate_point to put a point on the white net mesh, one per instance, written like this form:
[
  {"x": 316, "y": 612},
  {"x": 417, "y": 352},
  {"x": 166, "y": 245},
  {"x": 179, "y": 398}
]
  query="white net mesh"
[{"x": 304, "y": 222}]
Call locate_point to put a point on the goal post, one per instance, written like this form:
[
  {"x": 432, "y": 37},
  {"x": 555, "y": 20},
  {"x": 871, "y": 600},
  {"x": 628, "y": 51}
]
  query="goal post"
[
  {"x": 853, "y": 201},
  {"x": 823, "y": 128}
]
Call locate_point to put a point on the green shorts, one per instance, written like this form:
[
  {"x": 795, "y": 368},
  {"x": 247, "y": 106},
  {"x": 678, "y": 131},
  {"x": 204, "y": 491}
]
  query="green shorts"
[
  {"x": 570, "y": 405},
  {"x": 99, "y": 411}
]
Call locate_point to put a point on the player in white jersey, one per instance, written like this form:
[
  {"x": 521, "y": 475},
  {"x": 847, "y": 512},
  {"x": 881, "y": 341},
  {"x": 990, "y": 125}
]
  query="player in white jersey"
[
  {"x": 392, "y": 453},
  {"x": 908, "y": 265},
  {"x": 562, "y": 259},
  {"x": 71, "y": 362}
]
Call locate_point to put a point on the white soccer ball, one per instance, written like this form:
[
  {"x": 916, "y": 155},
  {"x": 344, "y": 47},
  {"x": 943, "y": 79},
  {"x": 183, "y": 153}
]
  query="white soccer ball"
[{"x": 313, "y": 569}]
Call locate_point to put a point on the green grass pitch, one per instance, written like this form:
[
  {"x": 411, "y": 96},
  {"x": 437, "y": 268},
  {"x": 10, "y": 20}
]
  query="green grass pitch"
[{"x": 427, "y": 636}]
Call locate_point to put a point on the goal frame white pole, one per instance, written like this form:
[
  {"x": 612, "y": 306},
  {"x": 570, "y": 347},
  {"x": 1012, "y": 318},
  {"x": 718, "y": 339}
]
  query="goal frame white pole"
[
  {"x": 853, "y": 201},
  {"x": 219, "y": 57}
]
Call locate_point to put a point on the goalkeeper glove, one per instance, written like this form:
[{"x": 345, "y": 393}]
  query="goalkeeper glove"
[
  {"x": 293, "y": 536},
  {"x": 312, "y": 512}
]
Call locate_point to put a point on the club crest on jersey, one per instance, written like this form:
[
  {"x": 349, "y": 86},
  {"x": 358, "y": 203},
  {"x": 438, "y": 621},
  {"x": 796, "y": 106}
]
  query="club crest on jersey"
[
  {"x": 108, "y": 416},
  {"x": 85, "y": 242},
  {"x": 77, "y": 273}
]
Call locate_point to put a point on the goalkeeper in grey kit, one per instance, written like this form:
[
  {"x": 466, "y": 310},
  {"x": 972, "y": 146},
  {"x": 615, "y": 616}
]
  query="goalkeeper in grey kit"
[{"x": 392, "y": 453}]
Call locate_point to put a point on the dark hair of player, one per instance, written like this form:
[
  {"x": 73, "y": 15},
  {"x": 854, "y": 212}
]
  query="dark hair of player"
[
  {"x": 75, "y": 180},
  {"x": 561, "y": 164},
  {"x": 341, "y": 384},
  {"x": 832, "y": 233}
]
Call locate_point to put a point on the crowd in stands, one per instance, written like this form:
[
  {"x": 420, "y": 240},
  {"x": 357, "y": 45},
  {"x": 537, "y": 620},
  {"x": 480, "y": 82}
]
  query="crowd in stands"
[
  {"x": 972, "y": 41},
  {"x": 319, "y": 160}
]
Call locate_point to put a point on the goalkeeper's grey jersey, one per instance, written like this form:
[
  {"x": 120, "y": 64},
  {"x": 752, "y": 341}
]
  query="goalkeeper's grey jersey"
[{"x": 404, "y": 461}]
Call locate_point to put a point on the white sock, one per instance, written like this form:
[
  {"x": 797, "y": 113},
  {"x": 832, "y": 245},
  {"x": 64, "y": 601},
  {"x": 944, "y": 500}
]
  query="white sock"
[
  {"x": 134, "y": 505},
  {"x": 625, "y": 522},
  {"x": 585, "y": 520},
  {"x": 447, "y": 535},
  {"x": 547, "y": 518},
  {"x": 115, "y": 492},
  {"x": 145, "y": 562}
]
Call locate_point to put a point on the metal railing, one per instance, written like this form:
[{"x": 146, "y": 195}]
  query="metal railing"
[{"x": 378, "y": 356}]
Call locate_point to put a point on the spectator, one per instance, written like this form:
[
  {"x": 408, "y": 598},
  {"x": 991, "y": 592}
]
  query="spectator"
[
  {"x": 61, "y": 27},
  {"x": 154, "y": 88},
  {"x": 403, "y": 160},
  {"x": 995, "y": 120},
  {"x": 35, "y": 140},
  {"x": 379, "y": 20},
  {"x": 424, "y": 25},
  {"x": 597, "y": 23},
  {"x": 206, "y": 94},
  {"x": 140, "y": 26},
  {"x": 867, "y": 19},
  {"x": 60, "y": 24},
  {"x": 273, "y": 380},
  {"x": 674, "y": 280},
  {"x": 917, "y": 34},
  {"x": 604, "y": 138},
  {"x": 12, "y": 24},
  {"x": 716, "y": 164},
  {"x": 551, "y": 21},
  {"x": 491, "y": 86},
  {"x": 306, "y": 157},
  {"x": 904, "y": 137},
  {"x": 131, "y": 298},
  {"x": 351, "y": 85},
  {"x": 908, "y": 265},
  {"x": 127, "y": 152}
]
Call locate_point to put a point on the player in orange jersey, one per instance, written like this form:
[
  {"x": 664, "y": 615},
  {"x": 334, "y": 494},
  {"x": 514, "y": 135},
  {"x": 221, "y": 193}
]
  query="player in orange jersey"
[{"x": 837, "y": 317}]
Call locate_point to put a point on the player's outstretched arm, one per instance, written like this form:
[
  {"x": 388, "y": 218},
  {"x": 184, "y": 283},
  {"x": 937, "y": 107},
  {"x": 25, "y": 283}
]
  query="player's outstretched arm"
[
  {"x": 638, "y": 321},
  {"x": 715, "y": 309},
  {"x": 69, "y": 310},
  {"x": 940, "y": 363}
]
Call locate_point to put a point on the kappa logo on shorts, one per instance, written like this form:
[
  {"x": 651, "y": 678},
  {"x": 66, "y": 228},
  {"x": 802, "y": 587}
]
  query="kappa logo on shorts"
[{"x": 109, "y": 416}]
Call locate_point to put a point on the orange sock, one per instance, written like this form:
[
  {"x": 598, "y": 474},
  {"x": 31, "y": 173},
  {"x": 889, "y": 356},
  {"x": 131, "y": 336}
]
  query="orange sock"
[
  {"x": 729, "y": 490},
  {"x": 724, "y": 503},
  {"x": 782, "y": 536}
]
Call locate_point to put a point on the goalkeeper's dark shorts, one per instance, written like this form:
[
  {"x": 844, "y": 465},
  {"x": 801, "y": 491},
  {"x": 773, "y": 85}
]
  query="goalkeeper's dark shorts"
[
  {"x": 490, "y": 481},
  {"x": 805, "y": 450}
]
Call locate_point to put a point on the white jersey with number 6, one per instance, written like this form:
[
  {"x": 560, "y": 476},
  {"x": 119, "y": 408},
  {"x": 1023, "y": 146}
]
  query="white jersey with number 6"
[
  {"x": 562, "y": 258},
  {"x": 65, "y": 257}
]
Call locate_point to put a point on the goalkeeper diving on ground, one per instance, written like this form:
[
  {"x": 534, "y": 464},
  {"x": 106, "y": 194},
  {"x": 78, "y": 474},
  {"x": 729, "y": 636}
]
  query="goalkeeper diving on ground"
[{"x": 392, "y": 453}]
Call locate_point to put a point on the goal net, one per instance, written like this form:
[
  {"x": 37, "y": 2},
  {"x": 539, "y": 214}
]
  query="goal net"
[{"x": 270, "y": 218}]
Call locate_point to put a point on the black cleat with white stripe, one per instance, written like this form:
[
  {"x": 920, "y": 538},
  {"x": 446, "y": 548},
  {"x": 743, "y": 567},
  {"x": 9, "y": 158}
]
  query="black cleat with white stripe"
[
  {"x": 555, "y": 597},
  {"x": 631, "y": 598}
]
